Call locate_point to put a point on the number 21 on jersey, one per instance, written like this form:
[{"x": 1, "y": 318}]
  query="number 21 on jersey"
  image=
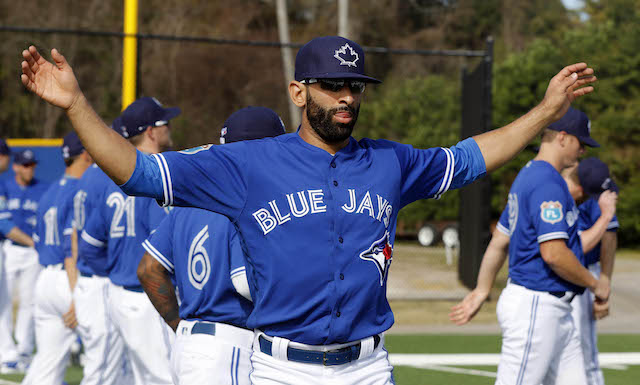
[{"x": 124, "y": 207}]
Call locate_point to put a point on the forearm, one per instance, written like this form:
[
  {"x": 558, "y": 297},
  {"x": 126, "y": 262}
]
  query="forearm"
[
  {"x": 501, "y": 145},
  {"x": 607, "y": 253},
  {"x": 20, "y": 237},
  {"x": 157, "y": 284},
  {"x": 566, "y": 265},
  {"x": 492, "y": 261},
  {"x": 115, "y": 155},
  {"x": 71, "y": 262},
  {"x": 592, "y": 236}
]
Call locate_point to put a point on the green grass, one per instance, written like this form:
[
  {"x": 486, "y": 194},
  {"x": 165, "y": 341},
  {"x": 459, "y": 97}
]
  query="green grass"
[{"x": 456, "y": 344}]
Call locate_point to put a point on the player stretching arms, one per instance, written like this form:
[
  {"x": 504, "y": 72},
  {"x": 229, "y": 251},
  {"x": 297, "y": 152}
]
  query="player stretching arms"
[
  {"x": 316, "y": 209},
  {"x": 201, "y": 252}
]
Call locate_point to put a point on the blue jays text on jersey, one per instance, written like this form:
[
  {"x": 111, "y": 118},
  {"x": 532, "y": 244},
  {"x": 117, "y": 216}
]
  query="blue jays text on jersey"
[
  {"x": 120, "y": 224},
  {"x": 540, "y": 208},
  {"x": 53, "y": 231},
  {"x": 22, "y": 202},
  {"x": 91, "y": 189},
  {"x": 589, "y": 214},
  {"x": 202, "y": 251},
  {"x": 314, "y": 225}
]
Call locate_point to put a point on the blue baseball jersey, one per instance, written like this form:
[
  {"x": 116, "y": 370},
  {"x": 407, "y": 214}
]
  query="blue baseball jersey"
[
  {"x": 120, "y": 224},
  {"x": 317, "y": 228},
  {"x": 6, "y": 224},
  {"x": 540, "y": 208},
  {"x": 202, "y": 251},
  {"x": 52, "y": 235},
  {"x": 91, "y": 194},
  {"x": 589, "y": 214},
  {"x": 22, "y": 202}
]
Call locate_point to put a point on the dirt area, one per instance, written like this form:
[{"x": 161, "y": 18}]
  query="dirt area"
[{"x": 422, "y": 288}]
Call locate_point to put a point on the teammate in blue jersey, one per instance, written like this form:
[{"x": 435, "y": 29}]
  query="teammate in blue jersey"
[
  {"x": 21, "y": 263},
  {"x": 201, "y": 252},
  {"x": 54, "y": 314},
  {"x": 540, "y": 228},
  {"x": 316, "y": 209},
  {"x": 590, "y": 183},
  {"x": 9, "y": 230},
  {"x": 121, "y": 223}
]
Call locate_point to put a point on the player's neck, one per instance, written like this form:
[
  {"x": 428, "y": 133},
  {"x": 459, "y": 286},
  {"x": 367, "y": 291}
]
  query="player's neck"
[
  {"x": 77, "y": 168},
  {"x": 550, "y": 156},
  {"x": 21, "y": 182},
  {"x": 310, "y": 136}
]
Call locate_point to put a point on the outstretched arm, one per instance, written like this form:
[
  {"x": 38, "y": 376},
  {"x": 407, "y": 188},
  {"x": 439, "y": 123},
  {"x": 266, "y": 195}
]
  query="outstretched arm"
[
  {"x": 56, "y": 84},
  {"x": 501, "y": 145},
  {"x": 492, "y": 262},
  {"x": 157, "y": 284}
]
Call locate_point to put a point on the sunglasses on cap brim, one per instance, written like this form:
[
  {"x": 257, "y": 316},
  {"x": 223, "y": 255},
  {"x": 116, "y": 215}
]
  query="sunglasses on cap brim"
[{"x": 335, "y": 85}]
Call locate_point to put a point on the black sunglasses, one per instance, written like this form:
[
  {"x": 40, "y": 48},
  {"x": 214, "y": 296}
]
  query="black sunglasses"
[{"x": 335, "y": 85}]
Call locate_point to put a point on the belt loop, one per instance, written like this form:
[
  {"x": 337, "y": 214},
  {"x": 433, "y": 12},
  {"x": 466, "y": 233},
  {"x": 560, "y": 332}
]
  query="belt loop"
[
  {"x": 366, "y": 347},
  {"x": 279, "y": 348}
]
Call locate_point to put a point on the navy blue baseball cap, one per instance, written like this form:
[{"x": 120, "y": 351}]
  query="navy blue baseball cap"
[
  {"x": 143, "y": 113},
  {"x": 576, "y": 123},
  {"x": 71, "y": 146},
  {"x": 594, "y": 177},
  {"x": 4, "y": 149},
  {"x": 24, "y": 157},
  {"x": 331, "y": 57},
  {"x": 251, "y": 123}
]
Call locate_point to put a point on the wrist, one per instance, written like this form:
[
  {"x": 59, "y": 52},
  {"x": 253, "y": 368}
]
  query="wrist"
[{"x": 76, "y": 103}]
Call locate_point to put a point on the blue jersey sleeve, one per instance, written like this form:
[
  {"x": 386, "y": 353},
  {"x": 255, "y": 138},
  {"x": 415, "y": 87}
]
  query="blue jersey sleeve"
[
  {"x": 432, "y": 172},
  {"x": 503, "y": 222},
  {"x": 548, "y": 212},
  {"x": 236, "y": 255},
  {"x": 213, "y": 178},
  {"x": 160, "y": 244},
  {"x": 95, "y": 232}
]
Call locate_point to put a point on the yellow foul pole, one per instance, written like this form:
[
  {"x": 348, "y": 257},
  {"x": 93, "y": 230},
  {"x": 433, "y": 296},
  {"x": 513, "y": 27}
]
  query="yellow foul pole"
[{"x": 129, "y": 52}]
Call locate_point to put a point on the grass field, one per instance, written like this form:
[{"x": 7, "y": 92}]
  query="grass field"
[{"x": 455, "y": 374}]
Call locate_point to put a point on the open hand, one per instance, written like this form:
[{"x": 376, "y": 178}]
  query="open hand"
[
  {"x": 565, "y": 87},
  {"x": 54, "y": 83},
  {"x": 464, "y": 311}
]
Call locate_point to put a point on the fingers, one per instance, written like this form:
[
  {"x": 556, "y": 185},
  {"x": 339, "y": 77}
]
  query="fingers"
[
  {"x": 573, "y": 68},
  {"x": 58, "y": 58}
]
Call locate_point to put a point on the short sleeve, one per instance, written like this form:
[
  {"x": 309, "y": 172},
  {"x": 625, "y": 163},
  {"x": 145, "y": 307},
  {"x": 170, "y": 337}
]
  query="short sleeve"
[
  {"x": 503, "y": 222},
  {"x": 212, "y": 178},
  {"x": 614, "y": 225},
  {"x": 432, "y": 172},
  {"x": 96, "y": 228},
  {"x": 160, "y": 244},
  {"x": 547, "y": 206}
]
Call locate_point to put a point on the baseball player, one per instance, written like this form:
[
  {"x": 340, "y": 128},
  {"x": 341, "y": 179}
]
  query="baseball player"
[
  {"x": 594, "y": 182},
  {"x": 201, "y": 252},
  {"x": 540, "y": 227},
  {"x": 54, "y": 315},
  {"x": 104, "y": 350},
  {"x": 316, "y": 209},
  {"x": 122, "y": 223},
  {"x": 21, "y": 263},
  {"x": 9, "y": 230}
]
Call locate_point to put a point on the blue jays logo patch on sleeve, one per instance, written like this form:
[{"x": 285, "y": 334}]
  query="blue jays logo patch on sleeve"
[
  {"x": 381, "y": 254},
  {"x": 195, "y": 150},
  {"x": 551, "y": 212}
]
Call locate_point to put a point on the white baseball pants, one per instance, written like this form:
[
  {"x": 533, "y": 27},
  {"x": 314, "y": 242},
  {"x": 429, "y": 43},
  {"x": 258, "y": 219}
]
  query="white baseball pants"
[
  {"x": 146, "y": 336},
  {"x": 539, "y": 340},
  {"x": 204, "y": 359},
  {"x": 7, "y": 346},
  {"x": 103, "y": 347},
  {"x": 53, "y": 338},
  {"x": 586, "y": 327},
  {"x": 372, "y": 368},
  {"x": 21, "y": 271}
]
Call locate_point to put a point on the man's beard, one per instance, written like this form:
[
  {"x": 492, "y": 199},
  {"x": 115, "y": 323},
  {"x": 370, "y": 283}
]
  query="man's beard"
[{"x": 321, "y": 120}]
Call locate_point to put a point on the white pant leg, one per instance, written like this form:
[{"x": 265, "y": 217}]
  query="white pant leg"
[
  {"x": 146, "y": 336},
  {"x": 582, "y": 314},
  {"x": 537, "y": 330},
  {"x": 220, "y": 359},
  {"x": 103, "y": 347},
  {"x": 54, "y": 340},
  {"x": 372, "y": 369},
  {"x": 7, "y": 345}
]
